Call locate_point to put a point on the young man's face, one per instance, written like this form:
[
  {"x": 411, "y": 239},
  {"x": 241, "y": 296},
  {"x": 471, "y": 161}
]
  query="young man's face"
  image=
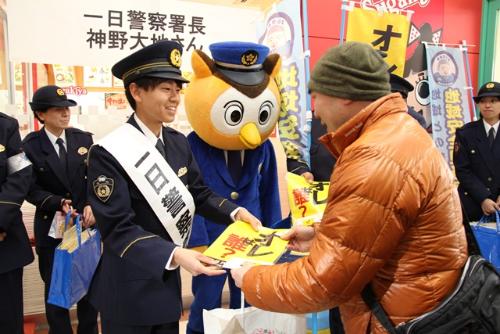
[
  {"x": 158, "y": 104},
  {"x": 55, "y": 118},
  {"x": 490, "y": 108}
]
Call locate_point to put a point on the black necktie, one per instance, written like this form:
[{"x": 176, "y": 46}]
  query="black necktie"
[
  {"x": 234, "y": 164},
  {"x": 159, "y": 146},
  {"x": 491, "y": 136},
  {"x": 63, "y": 156}
]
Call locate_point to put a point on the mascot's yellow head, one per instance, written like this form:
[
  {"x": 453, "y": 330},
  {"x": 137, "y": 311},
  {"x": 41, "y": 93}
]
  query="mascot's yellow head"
[{"x": 233, "y": 101}]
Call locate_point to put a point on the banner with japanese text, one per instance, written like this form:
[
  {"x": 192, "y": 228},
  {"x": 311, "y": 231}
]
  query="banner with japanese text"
[
  {"x": 281, "y": 31},
  {"x": 448, "y": 96},
  {"x": 387, "y": 32},
  {"x": 426, "y": 26},
  {"x": 99, "y": 33}
]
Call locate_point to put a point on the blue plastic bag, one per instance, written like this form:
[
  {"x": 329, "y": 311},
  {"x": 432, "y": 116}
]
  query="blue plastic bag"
[
  {"x": 72, "y": 272},
  {"x": 488, "y": 239}
]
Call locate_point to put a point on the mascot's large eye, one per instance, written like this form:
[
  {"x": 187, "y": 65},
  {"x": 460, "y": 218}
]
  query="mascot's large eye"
[
  {"x": 233, "y": 112},
  {"x": 265, "y": 112}
]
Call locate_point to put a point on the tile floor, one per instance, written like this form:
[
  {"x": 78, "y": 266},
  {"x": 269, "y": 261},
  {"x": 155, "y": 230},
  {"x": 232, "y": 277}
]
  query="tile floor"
[{"x": 42, "y": 328}]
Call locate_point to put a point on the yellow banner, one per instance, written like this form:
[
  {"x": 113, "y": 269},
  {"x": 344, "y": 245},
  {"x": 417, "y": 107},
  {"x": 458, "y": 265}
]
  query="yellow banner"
[
  {"x": 241, "y": 243},
  {"x": 387, "y": 32},
  {"x": 307, "y": 200}
]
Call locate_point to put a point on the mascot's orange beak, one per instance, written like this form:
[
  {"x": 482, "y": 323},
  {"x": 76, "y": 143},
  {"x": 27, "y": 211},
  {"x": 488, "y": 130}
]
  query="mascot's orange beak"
[{"x": 250, "y": 136}]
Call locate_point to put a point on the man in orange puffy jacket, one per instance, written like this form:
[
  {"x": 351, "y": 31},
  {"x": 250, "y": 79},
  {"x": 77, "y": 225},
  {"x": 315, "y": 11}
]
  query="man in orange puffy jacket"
[{"x": 393, "y": 217}]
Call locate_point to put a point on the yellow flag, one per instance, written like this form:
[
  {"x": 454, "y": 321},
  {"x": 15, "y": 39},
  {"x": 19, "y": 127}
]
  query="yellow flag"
[{"x": 387, "y": 32}]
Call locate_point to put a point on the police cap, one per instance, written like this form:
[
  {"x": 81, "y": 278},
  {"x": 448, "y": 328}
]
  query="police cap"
[
  {"x": 240, "y": 61},
  {"x": 50, "y": 96},
  {"x": 491, "y": 88},
  {"x": 400, "y": 85},
  {"x": 159, "y": 60}
]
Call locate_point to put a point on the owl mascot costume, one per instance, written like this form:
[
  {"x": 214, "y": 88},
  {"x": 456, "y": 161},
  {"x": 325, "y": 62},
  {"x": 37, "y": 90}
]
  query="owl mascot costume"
[{"x": 233, "y": 105}]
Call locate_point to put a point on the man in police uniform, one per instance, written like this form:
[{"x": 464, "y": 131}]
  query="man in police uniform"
[
  {"x": 15, "y": 249},
  {"x": 146, "y": 184},
  {"x": 477, "y": 156},
  {"x": 58, "y": 154}
]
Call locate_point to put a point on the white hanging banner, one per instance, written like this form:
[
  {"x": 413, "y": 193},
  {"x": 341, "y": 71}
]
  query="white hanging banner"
[{"x": 96, "y": 32}]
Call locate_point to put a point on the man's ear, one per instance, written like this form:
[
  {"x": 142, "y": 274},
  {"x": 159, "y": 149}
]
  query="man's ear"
[{"x": 135, "y": 91}]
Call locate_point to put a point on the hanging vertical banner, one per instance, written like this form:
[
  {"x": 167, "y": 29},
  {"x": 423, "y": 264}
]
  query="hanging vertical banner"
[
  {"x": 387, "y": 32},
  {"x": 448, "y": 96},
  {"x": 281, "y": 31}
]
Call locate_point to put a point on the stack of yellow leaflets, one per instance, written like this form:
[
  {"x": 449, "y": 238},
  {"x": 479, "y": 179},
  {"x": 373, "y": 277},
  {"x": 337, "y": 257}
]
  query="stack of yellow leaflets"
[{"x": 240, "y": 243}]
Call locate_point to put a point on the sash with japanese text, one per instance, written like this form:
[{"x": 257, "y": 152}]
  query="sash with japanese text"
[{"x": 163, "y": 190}]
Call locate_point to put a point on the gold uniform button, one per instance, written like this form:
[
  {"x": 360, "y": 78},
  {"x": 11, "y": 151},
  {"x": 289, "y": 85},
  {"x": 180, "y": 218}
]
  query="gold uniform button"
[
  {"x": 234, "y": 195},
  {"x": 473, "y": 151},
  {"x": 45, "y": 217},
  {"x": 466, "y": 193}
]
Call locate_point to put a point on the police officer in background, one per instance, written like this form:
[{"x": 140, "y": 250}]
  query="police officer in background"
[
  {"x": 145, "y": 188},
  {"x": 403, "y": 87},
  {"x": 59, "y": 155},
  {"x": 15, "y": 248},
  {"x": 476, "y": 156}
]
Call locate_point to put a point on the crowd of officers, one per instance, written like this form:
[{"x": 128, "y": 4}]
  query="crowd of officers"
[{"x": 49, "y": 169}]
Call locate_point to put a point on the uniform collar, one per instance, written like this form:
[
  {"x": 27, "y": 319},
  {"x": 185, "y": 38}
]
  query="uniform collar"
[
  {"x": 148, "y": 133},
  {"x": 53, "y": 138},
  {"x": 487, "y": 126}
]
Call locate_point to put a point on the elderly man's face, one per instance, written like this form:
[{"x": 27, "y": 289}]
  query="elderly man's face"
[{"x": 330, "y": 111}]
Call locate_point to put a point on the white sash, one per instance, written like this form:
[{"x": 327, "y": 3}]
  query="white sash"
[{"x": 163, "y": 190}]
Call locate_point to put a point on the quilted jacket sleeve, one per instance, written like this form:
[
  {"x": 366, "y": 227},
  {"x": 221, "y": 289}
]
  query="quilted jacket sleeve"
[{"x": 363, "y": 223}]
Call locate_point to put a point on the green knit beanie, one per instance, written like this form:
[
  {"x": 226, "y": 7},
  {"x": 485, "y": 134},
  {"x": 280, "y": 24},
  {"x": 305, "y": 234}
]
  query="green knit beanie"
[{"x": 354, "y": 71}]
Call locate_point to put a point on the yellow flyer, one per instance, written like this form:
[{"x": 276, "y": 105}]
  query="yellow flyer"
[
  {"x": 307, "y": 200},
  {"x": 240, "y": 243}
]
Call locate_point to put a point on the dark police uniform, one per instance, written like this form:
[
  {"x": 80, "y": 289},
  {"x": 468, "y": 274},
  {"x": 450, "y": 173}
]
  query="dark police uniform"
[
  {"x": 15, "y": 249},
  {"x": 131, "y": 288},
  {"x": 477, "y": 165},
  {"x": 49, "y": 186}
]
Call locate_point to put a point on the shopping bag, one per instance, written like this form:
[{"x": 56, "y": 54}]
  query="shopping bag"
[
  {"x": 75, "y": 261},
  {"x": 251, "y": 320},
  {"x": 488, "y": 238}
]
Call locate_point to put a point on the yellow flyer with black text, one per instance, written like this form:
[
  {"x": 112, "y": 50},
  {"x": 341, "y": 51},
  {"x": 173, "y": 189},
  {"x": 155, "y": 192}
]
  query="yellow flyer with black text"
[{"x": 240, "y": 243}]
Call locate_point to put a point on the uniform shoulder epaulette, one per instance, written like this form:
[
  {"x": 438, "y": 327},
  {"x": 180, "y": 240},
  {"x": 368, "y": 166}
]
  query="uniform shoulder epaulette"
[
  {"x": 79, "y": 131},
  {"x": 31, "y": 135},
  {"x": 471, "y": 125},
  {"x": 10, "y": 118},
  {"x": 173, "y": 131}
]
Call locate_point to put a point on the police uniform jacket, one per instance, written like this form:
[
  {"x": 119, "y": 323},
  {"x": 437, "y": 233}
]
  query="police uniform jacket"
[
  {"x": 257, "y": 190},
  {"x": 131, "y": 285},
  {"x": 15, "y": 250},
  {"x": 477, "y": 167},
  {"x": 50, "y": 184}
]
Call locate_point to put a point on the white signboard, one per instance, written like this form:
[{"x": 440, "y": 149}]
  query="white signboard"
[{"x": 99, "y": 33}]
